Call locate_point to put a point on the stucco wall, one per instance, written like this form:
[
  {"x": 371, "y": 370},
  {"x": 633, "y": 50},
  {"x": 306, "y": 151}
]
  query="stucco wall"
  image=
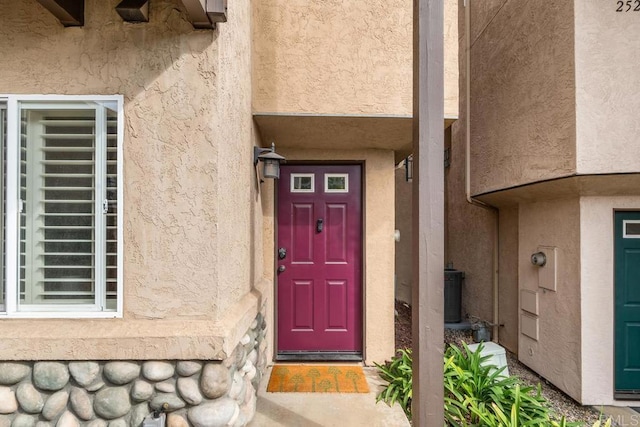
[
  {"x": 522, "y": 92},
  {"x": 451, "y": 72},
  {"x": 470, "y": 231},
  {"x": 508, "y": 297},
  {"x": 338, "y": 57},
  {"x": 403, "y": 269},
  {"x": 341, "y": 57},
  {"x": 556, "y": 354},
  {"x": 597, "y": 271},
  {"x": 379, "y": 244},
  {"x": 607, "y": 83},
  {"x": 187, "y": 163}
]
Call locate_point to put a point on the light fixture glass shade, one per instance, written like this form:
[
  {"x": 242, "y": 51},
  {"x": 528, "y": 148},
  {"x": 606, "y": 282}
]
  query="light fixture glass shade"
[{"x": 271, "y": 169}]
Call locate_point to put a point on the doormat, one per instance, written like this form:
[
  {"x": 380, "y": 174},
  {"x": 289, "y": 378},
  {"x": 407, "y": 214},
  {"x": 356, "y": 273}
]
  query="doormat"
[{"x": 317, "y": 379}]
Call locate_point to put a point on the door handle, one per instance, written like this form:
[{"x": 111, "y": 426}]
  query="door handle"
[
  {"x": 281, "y": 268},
  {"x": 319, "y": 225}
]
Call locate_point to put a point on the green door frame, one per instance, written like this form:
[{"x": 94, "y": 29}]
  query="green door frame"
[{"x": 627, "y": 304}]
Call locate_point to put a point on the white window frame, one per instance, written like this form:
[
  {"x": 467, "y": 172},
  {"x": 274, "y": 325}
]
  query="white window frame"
[
  {"x": 303, "y": 175},
  {"x": 624, "y": 229},
  {"x": 12, "y": 215},
  {"x": 336, "y": 175}
]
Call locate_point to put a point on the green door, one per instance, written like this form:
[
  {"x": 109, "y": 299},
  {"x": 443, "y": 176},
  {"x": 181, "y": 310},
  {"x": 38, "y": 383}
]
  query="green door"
[{"x": 627, "y": 302}]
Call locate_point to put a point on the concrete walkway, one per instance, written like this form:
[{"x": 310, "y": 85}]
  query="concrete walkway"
[{"x": 326, "y": 409}]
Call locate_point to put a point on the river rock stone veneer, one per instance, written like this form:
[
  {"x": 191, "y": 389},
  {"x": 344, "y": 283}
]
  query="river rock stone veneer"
[{"x": 198, "y": 393}]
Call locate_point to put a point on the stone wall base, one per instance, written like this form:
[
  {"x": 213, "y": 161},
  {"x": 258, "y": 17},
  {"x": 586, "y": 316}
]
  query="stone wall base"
[{"x": 199, "y": 393}]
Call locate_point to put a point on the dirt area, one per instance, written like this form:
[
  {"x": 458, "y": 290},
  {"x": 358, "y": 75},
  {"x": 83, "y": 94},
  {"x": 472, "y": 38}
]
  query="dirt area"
[{"x": 559, "y": 401}]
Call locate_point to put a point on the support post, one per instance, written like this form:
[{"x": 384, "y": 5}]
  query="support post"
[{"x": 428, "y": 213}]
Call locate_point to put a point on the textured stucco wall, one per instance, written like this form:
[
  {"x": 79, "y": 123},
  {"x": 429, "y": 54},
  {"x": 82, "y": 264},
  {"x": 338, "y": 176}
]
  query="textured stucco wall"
[
  {"x": 379, "y": 245},
  {"x": 522, "y": 92},
  {"x": 508, "y": 298},
  {"x": 556, "y": 354},
  {"x": 190, "y": 206},
  {"x": 607, "y": 83},
  {"x": 470, "y": 236},
  {"x": 339, "y": 57},
  {"x": 469, "y": 229},
  {"x": 451, "y": 93},
  {"x": 403, "y": 269},
  {"x": 342, "y": 57},
  {"x": 597, "y": 271}
]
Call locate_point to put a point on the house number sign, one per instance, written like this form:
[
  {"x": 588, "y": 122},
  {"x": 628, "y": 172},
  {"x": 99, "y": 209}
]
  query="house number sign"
[{"x": 628, "y": 6}]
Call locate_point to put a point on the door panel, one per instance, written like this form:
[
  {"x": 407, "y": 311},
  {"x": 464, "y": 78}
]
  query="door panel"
[
  {"x": 627, "y": 302},
  {"x": 319, "y": 283}
]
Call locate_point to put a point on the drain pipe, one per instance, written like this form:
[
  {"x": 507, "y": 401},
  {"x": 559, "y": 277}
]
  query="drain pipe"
[{"x": 467, "y": 36}]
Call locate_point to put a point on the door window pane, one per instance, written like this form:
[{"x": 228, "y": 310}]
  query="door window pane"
[
  {"x": 336, "y": 183},
  {"x": 302, "y": 182},
  {"x": 631, "y": 229}
]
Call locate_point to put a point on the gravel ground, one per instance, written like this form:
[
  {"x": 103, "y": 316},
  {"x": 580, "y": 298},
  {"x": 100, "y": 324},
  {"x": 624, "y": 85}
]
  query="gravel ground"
[{"x": 560, "y": 402}]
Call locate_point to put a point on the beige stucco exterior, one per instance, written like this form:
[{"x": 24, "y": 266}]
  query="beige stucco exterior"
[
  {"x": 556, "y": 353},
  {"x": 403, "y": 203},
  {"x": 522, "y": 93},
  {"x": 607, "y": 83},
  {"x": 508, "y": 291},
  {"x": 342, "y": 57},
  {"x": 351, "y": 58},
  {"x": 193, "y": 267}
]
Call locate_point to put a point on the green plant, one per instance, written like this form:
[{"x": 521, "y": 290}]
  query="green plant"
[
  {"x": 475, "y": 393},
  {"x": 399, "y": 375},
  {"x": 479, "y": 394}
]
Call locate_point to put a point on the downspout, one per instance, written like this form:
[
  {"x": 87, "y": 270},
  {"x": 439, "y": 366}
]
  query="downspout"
[{"x": 467, "y": 37}]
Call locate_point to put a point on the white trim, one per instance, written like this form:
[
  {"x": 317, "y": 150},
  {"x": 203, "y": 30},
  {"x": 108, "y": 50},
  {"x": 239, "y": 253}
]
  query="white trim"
[
  {"x": 61, "y": 315},
  {"x": 13, "y": 206},
  {"x": 12, "y": 268},
  {"x": 336, "y": 175},
  {"x": 3, "y": 112},
  {"x": 100, "y": 218},
  {"x": 120, "y": 206},
  {"x": 624, "y": 229},
  {"x": 302, "y": 190}
]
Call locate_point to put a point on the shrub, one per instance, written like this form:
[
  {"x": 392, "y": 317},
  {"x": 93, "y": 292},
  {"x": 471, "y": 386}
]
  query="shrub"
[
  {"x": 399, "y": 375},
  {"x": 475, "y": 394}
]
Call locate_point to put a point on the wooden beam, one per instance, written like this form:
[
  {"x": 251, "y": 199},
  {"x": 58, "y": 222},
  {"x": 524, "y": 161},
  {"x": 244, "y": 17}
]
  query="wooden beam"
[
  {"x": 428, "y": 213},
  {"x": 134, "y": 10},
  {"x": 204, "y": 14},
  {"x": 70, "y": 13}
]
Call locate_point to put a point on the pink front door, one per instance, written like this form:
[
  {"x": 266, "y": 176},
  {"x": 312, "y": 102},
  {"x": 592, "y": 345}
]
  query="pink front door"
[{"x": 319, "y": 251}]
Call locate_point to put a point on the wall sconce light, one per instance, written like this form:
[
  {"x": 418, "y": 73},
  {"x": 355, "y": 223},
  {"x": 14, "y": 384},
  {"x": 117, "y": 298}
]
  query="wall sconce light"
[
  {"x": 408, "y": 168},
  {"x": 271, "y": 160}
]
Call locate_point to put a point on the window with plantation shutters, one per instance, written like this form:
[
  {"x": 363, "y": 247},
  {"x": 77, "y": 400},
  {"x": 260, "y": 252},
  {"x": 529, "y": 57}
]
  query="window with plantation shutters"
[{"x": 62, "y": 252}]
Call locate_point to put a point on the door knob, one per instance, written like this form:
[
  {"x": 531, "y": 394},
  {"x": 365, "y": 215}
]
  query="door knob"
[{"x": 281, "y": 268}]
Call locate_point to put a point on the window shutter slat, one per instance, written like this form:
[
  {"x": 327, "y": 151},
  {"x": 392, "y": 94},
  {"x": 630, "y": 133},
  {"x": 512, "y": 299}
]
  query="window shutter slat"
[{"x": 59, "y": 239}]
